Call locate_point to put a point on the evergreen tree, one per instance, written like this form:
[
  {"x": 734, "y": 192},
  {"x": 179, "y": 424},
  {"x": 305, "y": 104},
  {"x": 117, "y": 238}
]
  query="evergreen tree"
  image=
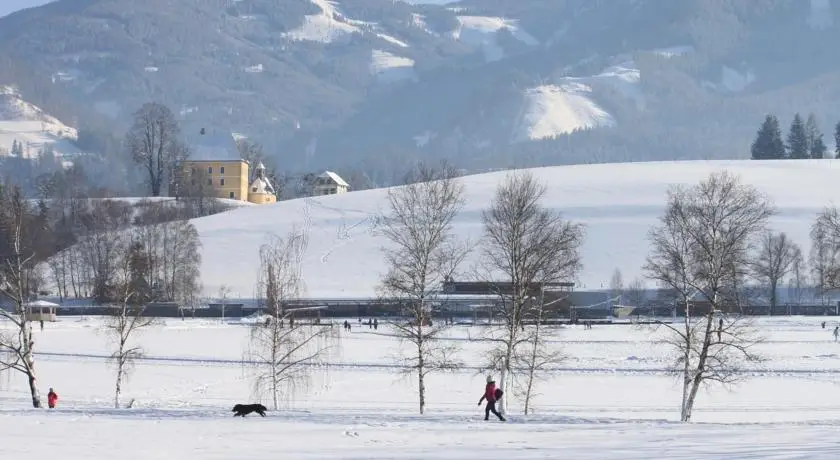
[
  {"x": 17, "y": 148},
  {"x": 816, "y": 145},
  {"x": 797, "y": 140},
  {"x": 837, "y": 140},
  {"x": 768, "y": 143},
  {"x": 139, "y": 263}
]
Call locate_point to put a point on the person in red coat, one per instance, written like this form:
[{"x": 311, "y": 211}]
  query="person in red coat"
[
  {"x": 490, "y": 396},
  {"x": 52, "y": 398}
]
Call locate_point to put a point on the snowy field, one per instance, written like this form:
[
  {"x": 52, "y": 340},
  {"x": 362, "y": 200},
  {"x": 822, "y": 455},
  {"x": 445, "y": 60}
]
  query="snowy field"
[
  {"x": 608, "y": 400},
  {"x": 618, "y": 203}
]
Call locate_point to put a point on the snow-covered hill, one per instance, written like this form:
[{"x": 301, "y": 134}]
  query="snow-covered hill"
[
  {"x": 550, "y": 111},
  {"x": 617, "y": 202},
  {"x": 482, "y": 32},
  {"x": 389, "y": 67},
  {"x": 32, "y": 128},
  {"x": 327, "y": 26}
]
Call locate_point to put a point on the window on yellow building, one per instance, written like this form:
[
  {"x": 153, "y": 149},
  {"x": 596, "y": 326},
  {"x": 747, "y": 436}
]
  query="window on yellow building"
[
  {"x": 222, "y": 180},
  {"x": 222, "y": 170},
  {"x": 232, "y": 196},
  {"x": 209, "y": 170},
  {"x": 209, "y": 181}
]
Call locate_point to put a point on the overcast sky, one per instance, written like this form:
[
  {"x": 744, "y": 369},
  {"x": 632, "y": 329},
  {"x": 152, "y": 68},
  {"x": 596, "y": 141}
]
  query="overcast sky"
[{"x": 10, "y": 6}]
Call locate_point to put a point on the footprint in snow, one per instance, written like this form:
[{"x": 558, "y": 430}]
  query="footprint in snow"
[{"x": 352, "y": 434}]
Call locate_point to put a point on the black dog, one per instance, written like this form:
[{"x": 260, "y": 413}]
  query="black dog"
[{"x": 244, "y": 409}]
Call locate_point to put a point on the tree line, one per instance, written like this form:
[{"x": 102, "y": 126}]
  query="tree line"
[
  {"x": 710, "y": 241},
  {"x": 804, "y": 140},
  {"x": 711, "y": 238},
  {"x": 101, "y": 250}
]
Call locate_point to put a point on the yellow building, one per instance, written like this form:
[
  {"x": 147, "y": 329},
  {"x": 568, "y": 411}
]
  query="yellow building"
[{"x": 215, "y": 160}]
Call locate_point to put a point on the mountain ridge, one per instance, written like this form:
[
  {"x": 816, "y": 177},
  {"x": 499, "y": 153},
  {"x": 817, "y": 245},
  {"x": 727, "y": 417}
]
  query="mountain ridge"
[{"x": 376, "y": 82}]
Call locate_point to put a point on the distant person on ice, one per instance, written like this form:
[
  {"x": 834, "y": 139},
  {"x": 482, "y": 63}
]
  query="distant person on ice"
[
  {"x": 52, "y": 398},
  {"x": 491, "y": 394},
  {"x": 836, "y": 332}
]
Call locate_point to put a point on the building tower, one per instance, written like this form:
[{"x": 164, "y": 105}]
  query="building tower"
[{"x": 261, "y": 191}]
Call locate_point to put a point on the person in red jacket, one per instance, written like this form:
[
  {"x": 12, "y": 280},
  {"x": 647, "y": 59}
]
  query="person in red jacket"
[
  {"x": 52, "y": 398},
  {"x": 490, "y": 396}
]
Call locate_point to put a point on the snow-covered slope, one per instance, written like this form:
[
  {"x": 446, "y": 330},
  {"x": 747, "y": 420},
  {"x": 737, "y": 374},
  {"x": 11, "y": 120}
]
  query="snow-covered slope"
[
  {"x": 390, "y": 67},
  {"x": 480, "y": 32},
  {"x": 610, "y": 399},
  {"x": 617, "y": 202},
  {"x": 549, "y": 111},
  {"x": 31, "y": 127},
  {"x": 326, "y": 26}
]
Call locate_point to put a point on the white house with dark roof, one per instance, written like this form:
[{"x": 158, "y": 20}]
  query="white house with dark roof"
[{"x": 329, "y": 183}]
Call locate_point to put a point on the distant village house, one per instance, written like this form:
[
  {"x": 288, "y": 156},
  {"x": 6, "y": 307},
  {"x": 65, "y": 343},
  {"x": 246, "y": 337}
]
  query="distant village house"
[{"x": 329, "y": 183}]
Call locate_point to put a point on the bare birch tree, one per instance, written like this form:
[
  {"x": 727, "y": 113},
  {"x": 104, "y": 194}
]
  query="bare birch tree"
[
  {"x": 703, "y": 240},
  {"x": 528, "y": 245},
  {"x": 798, "y": 283},
  {"x": 423, "y": 253},
  {"x": 635, "y": 293},
  {"x": 127, "y": 316},
  {"x": 537, "y": 356},
  {"x": 282, "y": 352},
  {"x": 774, "y": 260},
  {"x": 18, "y": 261},
  {"x": 616, "y": 284},
  {"x": 153, "y": 143},
  {"x": 825, "y": 251},
  {"x": 103, "y": 245}
]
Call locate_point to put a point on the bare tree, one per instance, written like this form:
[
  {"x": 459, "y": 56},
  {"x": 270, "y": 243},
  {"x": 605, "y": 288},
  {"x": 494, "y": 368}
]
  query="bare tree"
[
  {"x": 127, "y": 316},
  {"x": 422, "y": 255},
  {"x": 18, "y": 261},
  {"x": 180, "y": 261},
  {"x": 284, "y": 355},
  {"x": 224, "y": 292},
  {"x": 703, "y": 241},
  {"x": 773, "y": 262},
  {"x": 537, "y": 357},
  {"x": 825, "y": 251},
  {"x": 198, "y": 196},
  {"x": 635, "y": 293},
  {"x": 102, "y": 246},
  {"x": 153, "y": 143},
  {"x": 529, "y": 245},
  {"x": 797, "y": 283},
  {"x": 616, "y": 284}
]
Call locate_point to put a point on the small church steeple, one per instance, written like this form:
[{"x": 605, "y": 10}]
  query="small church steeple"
[
  {"x": 261, "y": 190},
  {"x": 260, "y": 171}
]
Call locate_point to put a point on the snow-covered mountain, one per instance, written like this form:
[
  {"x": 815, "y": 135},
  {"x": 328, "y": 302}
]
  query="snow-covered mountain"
[
  {"x": 338, "y": 83},
  {"x": 34, "y": 130}
]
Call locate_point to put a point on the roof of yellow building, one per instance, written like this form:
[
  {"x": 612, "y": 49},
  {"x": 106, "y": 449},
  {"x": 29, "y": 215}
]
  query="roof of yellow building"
[{"x": 213, "y": 147}]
